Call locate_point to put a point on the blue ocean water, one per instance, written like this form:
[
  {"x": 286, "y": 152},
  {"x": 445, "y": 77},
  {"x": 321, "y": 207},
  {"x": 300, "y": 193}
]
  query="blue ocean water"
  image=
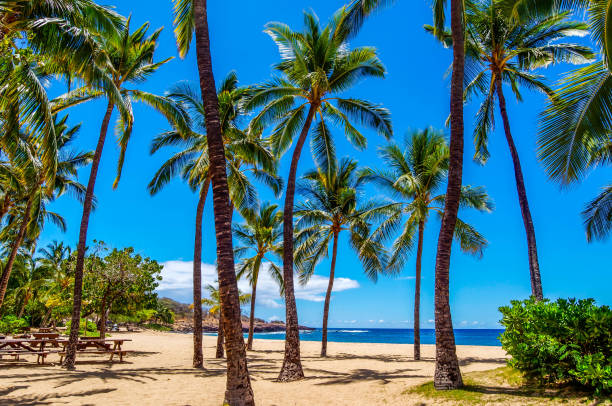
[{"x": 392, "y": 336}]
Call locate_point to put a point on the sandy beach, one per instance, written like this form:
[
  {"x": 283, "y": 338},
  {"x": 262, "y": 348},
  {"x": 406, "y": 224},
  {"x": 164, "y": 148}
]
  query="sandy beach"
[{"x": 159, "y": 372}]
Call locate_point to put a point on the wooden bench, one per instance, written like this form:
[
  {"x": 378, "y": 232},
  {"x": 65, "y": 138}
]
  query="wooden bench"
[
  {"x": 41, "y": 355},
  {"x": 112, "y": 353}
]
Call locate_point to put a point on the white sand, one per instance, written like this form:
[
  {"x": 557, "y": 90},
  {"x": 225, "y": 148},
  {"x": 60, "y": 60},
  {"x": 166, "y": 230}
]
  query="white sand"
[{"x": 160, "y": 373}]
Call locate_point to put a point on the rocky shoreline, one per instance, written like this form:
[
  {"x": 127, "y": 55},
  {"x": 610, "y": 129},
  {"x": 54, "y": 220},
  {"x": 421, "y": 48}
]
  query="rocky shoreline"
[{"x": 211, "y": 325}]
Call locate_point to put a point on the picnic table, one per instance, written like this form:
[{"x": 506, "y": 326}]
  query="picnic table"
[
  {"x": 29, "y": 346},
  {"x": 96, "y": 345}
]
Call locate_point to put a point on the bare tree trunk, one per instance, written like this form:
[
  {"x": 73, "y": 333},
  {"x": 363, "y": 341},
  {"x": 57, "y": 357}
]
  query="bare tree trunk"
[
  {"x": 532, "y": 251},
  {"x": 330, "y": 286},
  {"x": 447, "y": 374},
  {"x": 220, "y": 339},
  {"x": 238, "y": 388},
  {"x": 103, "y": 315},
  {"x": 417, "y": 294},
  {"x": 14, "y": 249},
  {"x": 198, "y": 357},
  {"x": 292, "y": 364},
  {"x": 253, "y": 297},
  {"x": 78, "y": 272}
]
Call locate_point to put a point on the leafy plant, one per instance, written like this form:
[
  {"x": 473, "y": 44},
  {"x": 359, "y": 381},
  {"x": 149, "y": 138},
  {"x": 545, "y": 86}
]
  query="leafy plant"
[
  {"x": 11, "y": 324},
  {"x": 567, "y": 341}
]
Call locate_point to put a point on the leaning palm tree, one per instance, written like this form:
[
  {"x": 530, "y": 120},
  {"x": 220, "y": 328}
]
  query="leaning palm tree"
[
  {"x": 417, "y": 172},
  {"x": 30, "y": 216},
  {"x": 333, "y": 203},
  {"x": 500, "y": 51},
  {"x": 317, "y": 66},
  {"x": 31, "y": 279},
  {"x": 130, "y": 60},
  {"x": 245, "y": 152},
  {"x": 575, "y": 132},
  {"x": 191, "y": 16},
  {"x": 260, "y": 235},
  {"x": 214, "y": 304}
]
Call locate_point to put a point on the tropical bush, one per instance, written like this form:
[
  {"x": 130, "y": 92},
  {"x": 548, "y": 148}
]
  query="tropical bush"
[
  {"x": 11, "y": 324},
  {"x": 567, "y": 341},
  {"x": 86, "y": 327}
]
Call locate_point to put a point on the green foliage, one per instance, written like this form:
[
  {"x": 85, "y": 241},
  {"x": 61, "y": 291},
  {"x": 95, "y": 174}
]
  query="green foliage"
[
  {"x": 86, "y": 327},
  {"x": 567, "y": 341},
  {"x": 11, "y": 324}
]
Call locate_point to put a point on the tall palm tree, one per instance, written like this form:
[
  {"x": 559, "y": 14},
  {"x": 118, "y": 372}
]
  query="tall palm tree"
[
  {"x": 190, "y": 16},
  {"x": 131, "y": 60},
  {"x": 333, "y": 203},
  {"x": 31, "y": 279},
  {"x": 260, "y": 235},
  {"x": 500, "y": 51},
  {"x": 447, "y": 374},
  {"x": 417, "y": 171},
  {"x": 38, "y": 192},
  {"x": 317, "y": 65},
  {"x": 214, "y": 304},
  {"x": 574, "y": 134},
  {"x": 243, "y": 151}
]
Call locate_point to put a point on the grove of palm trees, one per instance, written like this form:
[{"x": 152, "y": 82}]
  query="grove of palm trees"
[{"x": 290, "y": 214}]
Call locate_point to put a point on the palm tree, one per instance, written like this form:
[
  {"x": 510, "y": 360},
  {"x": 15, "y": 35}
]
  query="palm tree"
[
  {"x": 215, "y": 309},
  {"x": 190, "y": 16},
  {"x": 501, "y": 51},
  {"x": 192, "y": 162},
  {"x": 317, "y": 65},
  {"x": 38, "y": 192},
  {"x": 31, "y": 279},
  {"x": 333, "y": 204},
  {"x": 447, "y": 374},
  {"x": 417, "y": 171},
  {"x": 574, "y": 135},
  {"x": 131, "y": 60},
  {"x": 260, "y": 235}
]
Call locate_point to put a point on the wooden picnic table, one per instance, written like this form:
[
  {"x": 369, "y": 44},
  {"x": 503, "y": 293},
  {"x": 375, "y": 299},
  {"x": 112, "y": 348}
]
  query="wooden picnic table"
[
  {"x": 45, "y": 335},
  {"x": 95, "y": 345},
  {"x": 29, "y": 346}
]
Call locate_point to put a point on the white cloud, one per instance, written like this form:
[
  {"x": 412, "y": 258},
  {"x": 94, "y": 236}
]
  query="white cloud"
[
  {"x": 431, "y": 321},
  {"x": 405, "y": 278},
  {"x": 274, "y": 318},
  {"x": 178, "y": 276},
  {"x": 464, "y": 323},
  {"x": 381, "y": 321},
  {"x": 371, "y": 321},
  {"x": 474, "y": 323}
]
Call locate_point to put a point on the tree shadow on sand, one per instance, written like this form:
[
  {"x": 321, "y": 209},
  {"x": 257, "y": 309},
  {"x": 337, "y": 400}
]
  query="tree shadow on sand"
[{"x": 49, "y": 398}]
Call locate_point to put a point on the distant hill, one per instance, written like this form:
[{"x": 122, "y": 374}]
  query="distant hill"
[{"x": 180, "y": 310}]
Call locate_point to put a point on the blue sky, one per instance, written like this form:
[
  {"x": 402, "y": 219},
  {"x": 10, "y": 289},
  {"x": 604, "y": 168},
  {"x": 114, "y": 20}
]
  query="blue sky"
[{"x": 416, "y": 91}]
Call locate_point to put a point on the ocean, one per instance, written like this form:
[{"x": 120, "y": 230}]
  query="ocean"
[{"x": 392, "y": 336}]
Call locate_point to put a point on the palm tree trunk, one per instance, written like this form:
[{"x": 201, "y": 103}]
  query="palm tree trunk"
[
  {"x": 220, "y": 338},
  {"x": 532, "y": 251},
  {"x": 78, "y": 271},
  {"x": 253, "y": 297},
  {"x": 238, "y": 389},
  {"x": 292, "y": 364},
  {"x": 417, "y": 294},
  {"x": 447, "y": 374},
  {"x": 198, "y": 357},
  {"x": 330, "y": 286},
  {"x": 26, "y": 299},
  {"x": 14, "y": 249}
]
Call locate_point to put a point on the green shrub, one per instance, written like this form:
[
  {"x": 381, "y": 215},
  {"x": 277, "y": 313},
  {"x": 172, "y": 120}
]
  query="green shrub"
[
  {"x": 86, "y": 327},
  {"x": 567, "y": 341},
  {"x": 12, "y": 325}
]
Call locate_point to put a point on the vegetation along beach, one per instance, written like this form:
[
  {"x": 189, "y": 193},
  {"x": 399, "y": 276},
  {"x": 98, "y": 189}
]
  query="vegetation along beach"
[{"x": 316, "y": 202}]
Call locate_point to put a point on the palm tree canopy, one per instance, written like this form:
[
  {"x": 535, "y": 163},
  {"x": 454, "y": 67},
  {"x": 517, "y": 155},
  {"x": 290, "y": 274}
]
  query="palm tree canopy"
[
  {"x": 241, "y": 147},
  {"x": 317, "y": 64},
  {"x": 417, "y": 173},
  {"x": 259, "y": 236},
  {"x": 498, "y": 47},
  {"x": 214, "y": 302},
  {"x": 333, "y": 203}
]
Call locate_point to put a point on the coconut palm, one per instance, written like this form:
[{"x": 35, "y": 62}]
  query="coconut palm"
[
  {"x": 260, "y": 236},
  {"x": 447, "y": 374},
  {"x": 30, "y": 216},
  {"x": 317, "y": 66},
  {"x": 190, "y": 16},
  {"x": 215, "y": 305},
  {"x": 31, "y": 279},
  {"x": 131, "y": 60},
  {"x": 245, "y": 152},
  {"x": 574, "y": 135},
  {"x": 333, "y": 203},
  {"x": 417, "y": 172},
  {"x": 500, "y": 51}
]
